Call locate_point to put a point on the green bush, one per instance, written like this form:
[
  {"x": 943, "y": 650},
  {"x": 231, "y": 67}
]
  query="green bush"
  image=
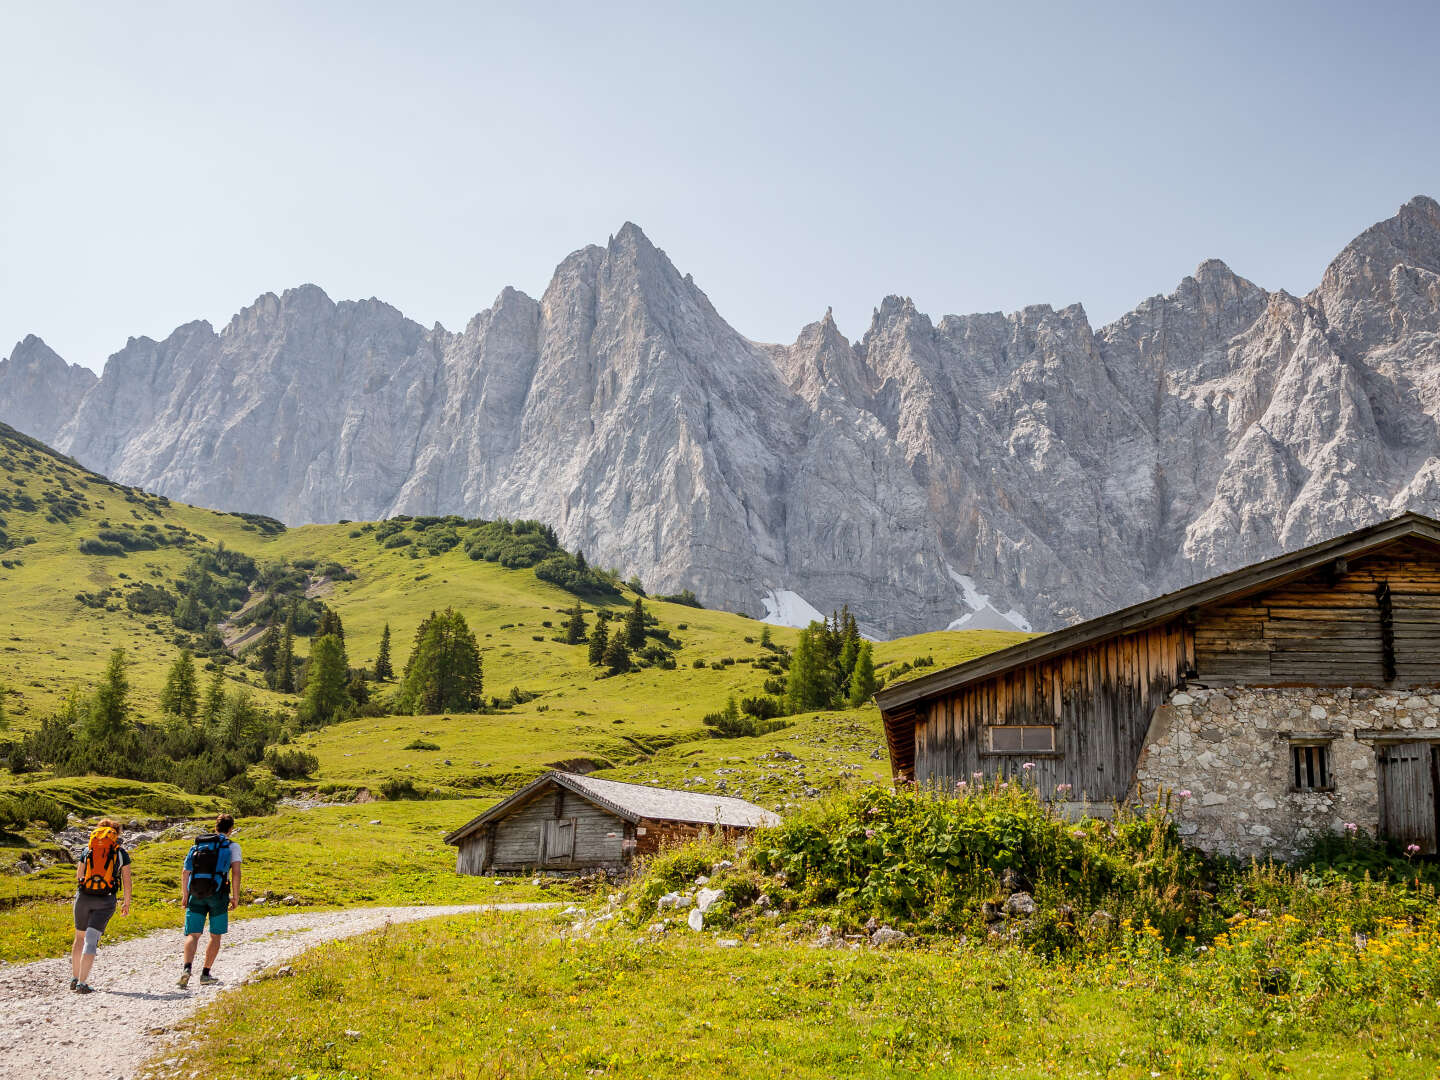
[
  {"x": 292, "y": 764},
  {"x": 400, "y": 787},
  {"x": 421, "y": 744},
  {"x": 20, "y": 810}
]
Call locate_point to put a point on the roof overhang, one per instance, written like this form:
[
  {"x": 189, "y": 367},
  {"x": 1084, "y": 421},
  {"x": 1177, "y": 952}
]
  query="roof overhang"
[{"x": 525, "y": 794}]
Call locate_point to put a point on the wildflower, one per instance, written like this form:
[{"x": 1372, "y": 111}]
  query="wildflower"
[
  {"x": 1411, "y": 850},
  {"x": 977, "y": 776},
  {"x": 1028, "y": 766},
  {"x": 960, "y": 785},
  {"x": 1004, "y": 785},
  {"x": 1184, "y": 793},
  {"x": 869, "y": 834},
  {"x": 1062, "y": 789},
  {"x": 1351, "y": 827}
]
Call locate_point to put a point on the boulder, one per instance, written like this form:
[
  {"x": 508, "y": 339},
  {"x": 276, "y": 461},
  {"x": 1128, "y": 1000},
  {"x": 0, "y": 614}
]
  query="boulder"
[
  {"x": 886, "y": 936},
  {"x": 696, "y": 920},
  {"x": 1020, "y": 904},
  {"x": 705, "y": 899}
]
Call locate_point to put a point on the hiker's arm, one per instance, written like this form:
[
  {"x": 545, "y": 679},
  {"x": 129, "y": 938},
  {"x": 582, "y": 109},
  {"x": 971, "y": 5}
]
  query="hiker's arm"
[
  {"x": 125, "y": 883},
  {"x": 184, "y": 888},
  {"x": 235, "y": 885},
  {"x": 80, "y": 870}
]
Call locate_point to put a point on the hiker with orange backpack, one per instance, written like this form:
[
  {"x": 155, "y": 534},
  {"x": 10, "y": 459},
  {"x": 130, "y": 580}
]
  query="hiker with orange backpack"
[
  {"x": 100, "y": 873},
  {"x": 211, "y": 868}
]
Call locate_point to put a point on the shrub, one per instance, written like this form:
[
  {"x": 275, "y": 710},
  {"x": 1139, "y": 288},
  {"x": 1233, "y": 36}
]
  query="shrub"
[
  {"x": 18, "y": 811},
  {"x": 399, "y": 787},
  {"x": 291, "y": 764},
  {"x": 421, "y": 744}
]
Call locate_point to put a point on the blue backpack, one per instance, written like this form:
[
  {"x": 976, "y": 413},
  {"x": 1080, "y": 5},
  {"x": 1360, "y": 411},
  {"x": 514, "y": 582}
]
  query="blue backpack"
[{"x": 209, "y": 864}]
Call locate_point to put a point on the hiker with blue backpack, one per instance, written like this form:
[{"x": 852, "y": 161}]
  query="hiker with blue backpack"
[{"x": 209, "y": 890}]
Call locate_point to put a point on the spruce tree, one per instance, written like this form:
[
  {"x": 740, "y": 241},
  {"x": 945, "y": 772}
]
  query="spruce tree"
[
  {"x": 384, "y": 672},
  {"x": 238, "y": 720},
  {"x": 285, "y": 665},
  {"x": 617, "y": 655},
  {"x": 214, "y": 699},
  {"x": 599, "y": 640},
  {"x": 862, "y": 681},
  {"x": 4, "y": 716},
  {"x": 330, "y": 625},
  {"x": 445, "y": 673},
  {"x": 268, "y": 652},
  {"x": 181, "y": 694},
  {"x": 811, "y": 683},
  {"x": 109, "y": 712},
  {"x": 635, "y": 625},
  {"x": 327, "y": 676},
  {"x": 575, "y": 626}
]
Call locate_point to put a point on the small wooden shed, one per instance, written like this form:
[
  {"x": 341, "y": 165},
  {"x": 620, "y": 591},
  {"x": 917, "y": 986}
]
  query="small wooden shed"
[{"x": 565, "y": 821}]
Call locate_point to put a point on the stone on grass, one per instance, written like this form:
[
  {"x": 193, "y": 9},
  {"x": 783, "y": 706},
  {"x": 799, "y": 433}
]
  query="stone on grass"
[
  {"x": 886, "y": 936},
  {"x": 696, "y": 919},
  {"x": 705, "y": 899},
  {"x": 1020, "y": 903}
]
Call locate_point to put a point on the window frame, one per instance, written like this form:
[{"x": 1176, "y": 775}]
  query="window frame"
[
  {"x": 1313, "y": 755},
  {"x": 988, "y": 749}
]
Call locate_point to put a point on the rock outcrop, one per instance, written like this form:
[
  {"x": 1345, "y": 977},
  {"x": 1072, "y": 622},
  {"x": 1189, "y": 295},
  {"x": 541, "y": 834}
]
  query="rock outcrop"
[{"x": 1025, "y": 463}]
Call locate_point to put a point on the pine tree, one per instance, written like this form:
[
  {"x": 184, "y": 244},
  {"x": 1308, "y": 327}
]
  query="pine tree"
[
  {"x": 214, "y": 700},
  {"x": 109, "y": 712},
  {"x": 268, "y": 652},
  {"x": 384, "y": 672},
  {"x": 330, "y": 625},
  {"x": 238, "y": 720},
  {"x": 575, "y": 626},
  {"x": 285, "y": 665},
  {"x": 181, "y": 694},
  {"x": 326, "y": 695},
  {"x": 862, "y": 681},
  {"x": 580, "y": 563},
  {"x": 766, "y": 638},
  {"x": 811, "y": 683},
  {"x": 617, "y": 655},
  {"x": 420, "y": 632},
  {"x": 599, "y": 639},
  {"x": 635, "y": 625},
  {"x": 445, "y": 673},
  {"x": 4, "y": 717}
]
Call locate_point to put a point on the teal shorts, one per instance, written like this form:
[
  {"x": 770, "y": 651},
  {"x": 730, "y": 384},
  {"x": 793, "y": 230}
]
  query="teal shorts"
[{"x": 216, "y": 908}]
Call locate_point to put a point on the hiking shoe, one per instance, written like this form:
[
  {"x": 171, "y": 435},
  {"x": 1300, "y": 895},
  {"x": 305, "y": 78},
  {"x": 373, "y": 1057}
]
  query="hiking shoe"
[
  {"x": 184, "y": 980},
  {"x": 206, "y": 978},
  {"x": 83, "y": 988},
  {"x": 74, "y": 982}
]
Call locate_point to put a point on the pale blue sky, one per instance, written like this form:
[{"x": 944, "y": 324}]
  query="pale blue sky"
[{"x": 175, "y": 163}]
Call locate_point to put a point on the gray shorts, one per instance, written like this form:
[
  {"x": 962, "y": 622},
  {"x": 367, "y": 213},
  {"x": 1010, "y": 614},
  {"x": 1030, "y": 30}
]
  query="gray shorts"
[{"x": 93, "y": 912}]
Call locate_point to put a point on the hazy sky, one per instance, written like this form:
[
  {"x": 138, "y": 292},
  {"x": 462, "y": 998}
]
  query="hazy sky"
[{"x": 169, "y": 162}]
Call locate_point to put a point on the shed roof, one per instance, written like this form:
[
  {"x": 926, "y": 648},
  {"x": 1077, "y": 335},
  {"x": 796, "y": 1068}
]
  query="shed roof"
[
  {"x": 634, "y": 803},
  {"x": 898, "y": 703}
]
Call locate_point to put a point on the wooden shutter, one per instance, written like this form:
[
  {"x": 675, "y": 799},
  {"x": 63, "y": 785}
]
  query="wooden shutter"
[
  {"x": 1407, "y": 794},
  {"x": 559, "y": 842}
]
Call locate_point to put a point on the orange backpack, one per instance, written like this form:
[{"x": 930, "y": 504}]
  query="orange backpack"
[{"x": 102, "y": 861}]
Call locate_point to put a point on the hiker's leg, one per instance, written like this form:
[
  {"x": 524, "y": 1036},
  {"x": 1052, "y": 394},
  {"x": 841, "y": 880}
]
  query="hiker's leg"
[
  {"x": 91, "y": 940},
  {"x": 75, "y": 953},
  {"x": 192, "y": 942},
  {"x": 212, "y": 948}
]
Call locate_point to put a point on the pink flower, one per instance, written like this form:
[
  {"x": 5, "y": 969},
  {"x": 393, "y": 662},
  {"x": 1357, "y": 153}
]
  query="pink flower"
[
  {"x": 1062, "y": 789},
  {"x": 1350, "y": 826},
  {"x": 960, "y": 785},
  {"x": 869, "y": 833},
  {"x": 977, "y": 776},
  {"x": 1028, "y": 766},
  {"x": 1412, "y": 850},
  {"x": 1184, "y": 793},
  {"x": 1003, "y": 786}
]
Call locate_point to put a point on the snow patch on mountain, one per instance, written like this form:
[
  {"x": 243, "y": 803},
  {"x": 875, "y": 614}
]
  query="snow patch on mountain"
[
  {"x": 786, "y": 608},
  {"x": 982, "y": 615}
]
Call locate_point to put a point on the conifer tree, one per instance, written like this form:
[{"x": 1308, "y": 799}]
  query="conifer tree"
[
  {"x": 330, "y": 625},
  {"x": 285, "y": 665},
  {"x": 599, "y": 641},
  {"x": 811, "y": 682},
  {"x": 4, "y": 717},
  {"x": 109, "y": 711},
  {"x": 445, "y": 673},
  {"x": 268, "y": 652},
  {"x": 575, "y": 626},
  {"x": 580, "y": 563},
  {"x": 635, "y": 625},
  {"x": 181, "y": 694},
  {"x": 326, "y": 695},
  {"x": 617, "y": 655},
  {"x": 862, "y": 680},
  {"x": 214, "y": 699},
  {"x": 384, "y": 672}
]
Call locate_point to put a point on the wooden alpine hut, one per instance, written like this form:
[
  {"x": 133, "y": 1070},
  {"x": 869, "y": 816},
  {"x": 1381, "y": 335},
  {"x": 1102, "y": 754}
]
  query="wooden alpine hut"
[
  {"x": 1296, "y": 696},
  {"x": 566, "y": 821}
]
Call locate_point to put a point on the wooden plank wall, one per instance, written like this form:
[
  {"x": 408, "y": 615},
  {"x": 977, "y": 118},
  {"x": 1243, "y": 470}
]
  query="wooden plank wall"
[
  {"x": 1325, "y": 629},
  {"x": 1100, "y": 698},
  {"x": 599, "y": 835}
]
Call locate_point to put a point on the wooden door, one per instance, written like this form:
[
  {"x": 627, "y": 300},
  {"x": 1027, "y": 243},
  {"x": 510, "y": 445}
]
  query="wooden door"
[
  {"x": 557, "y": 843},
  {"x": 1407, "y": 794}
]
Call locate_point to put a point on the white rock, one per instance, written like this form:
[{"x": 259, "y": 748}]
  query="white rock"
[{"x": 695, "y": 920}]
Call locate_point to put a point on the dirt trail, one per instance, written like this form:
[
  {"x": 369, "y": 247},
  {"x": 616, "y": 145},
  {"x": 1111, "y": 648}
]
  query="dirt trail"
[{"x": 48, "y": 1032}]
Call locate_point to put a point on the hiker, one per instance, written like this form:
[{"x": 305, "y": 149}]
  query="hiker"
[
  {"x": 209, "y": 889},
  {"x": 104, "y": 868}
]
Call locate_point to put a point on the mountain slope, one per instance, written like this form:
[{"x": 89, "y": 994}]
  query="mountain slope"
[{"x": 1058, "y": 469}]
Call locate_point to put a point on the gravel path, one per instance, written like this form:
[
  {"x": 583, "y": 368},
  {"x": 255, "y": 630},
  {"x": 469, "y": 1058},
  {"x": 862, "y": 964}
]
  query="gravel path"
[{"x": 47, "y": 1032}]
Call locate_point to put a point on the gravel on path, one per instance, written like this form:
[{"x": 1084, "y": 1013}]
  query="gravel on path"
[{"x": 49, "y": 1033}]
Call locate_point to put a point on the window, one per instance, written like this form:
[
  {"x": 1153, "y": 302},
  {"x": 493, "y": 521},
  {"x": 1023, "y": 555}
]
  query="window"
[
  {"x": 1310, "y": 766},
  {"x": 1022, "y": 738}
]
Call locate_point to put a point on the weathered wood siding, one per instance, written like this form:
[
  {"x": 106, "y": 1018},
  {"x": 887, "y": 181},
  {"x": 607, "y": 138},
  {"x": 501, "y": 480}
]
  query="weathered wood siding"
[
  {"x": 599, "y": 836},
  {"x": 1100, "y": 699},
  {"x": 1330, "y": 628},
  {"x": 659, "y": 834}
]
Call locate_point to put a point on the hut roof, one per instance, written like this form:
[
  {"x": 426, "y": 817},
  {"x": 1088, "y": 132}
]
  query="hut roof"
[{"x": 633, "y": 802}]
